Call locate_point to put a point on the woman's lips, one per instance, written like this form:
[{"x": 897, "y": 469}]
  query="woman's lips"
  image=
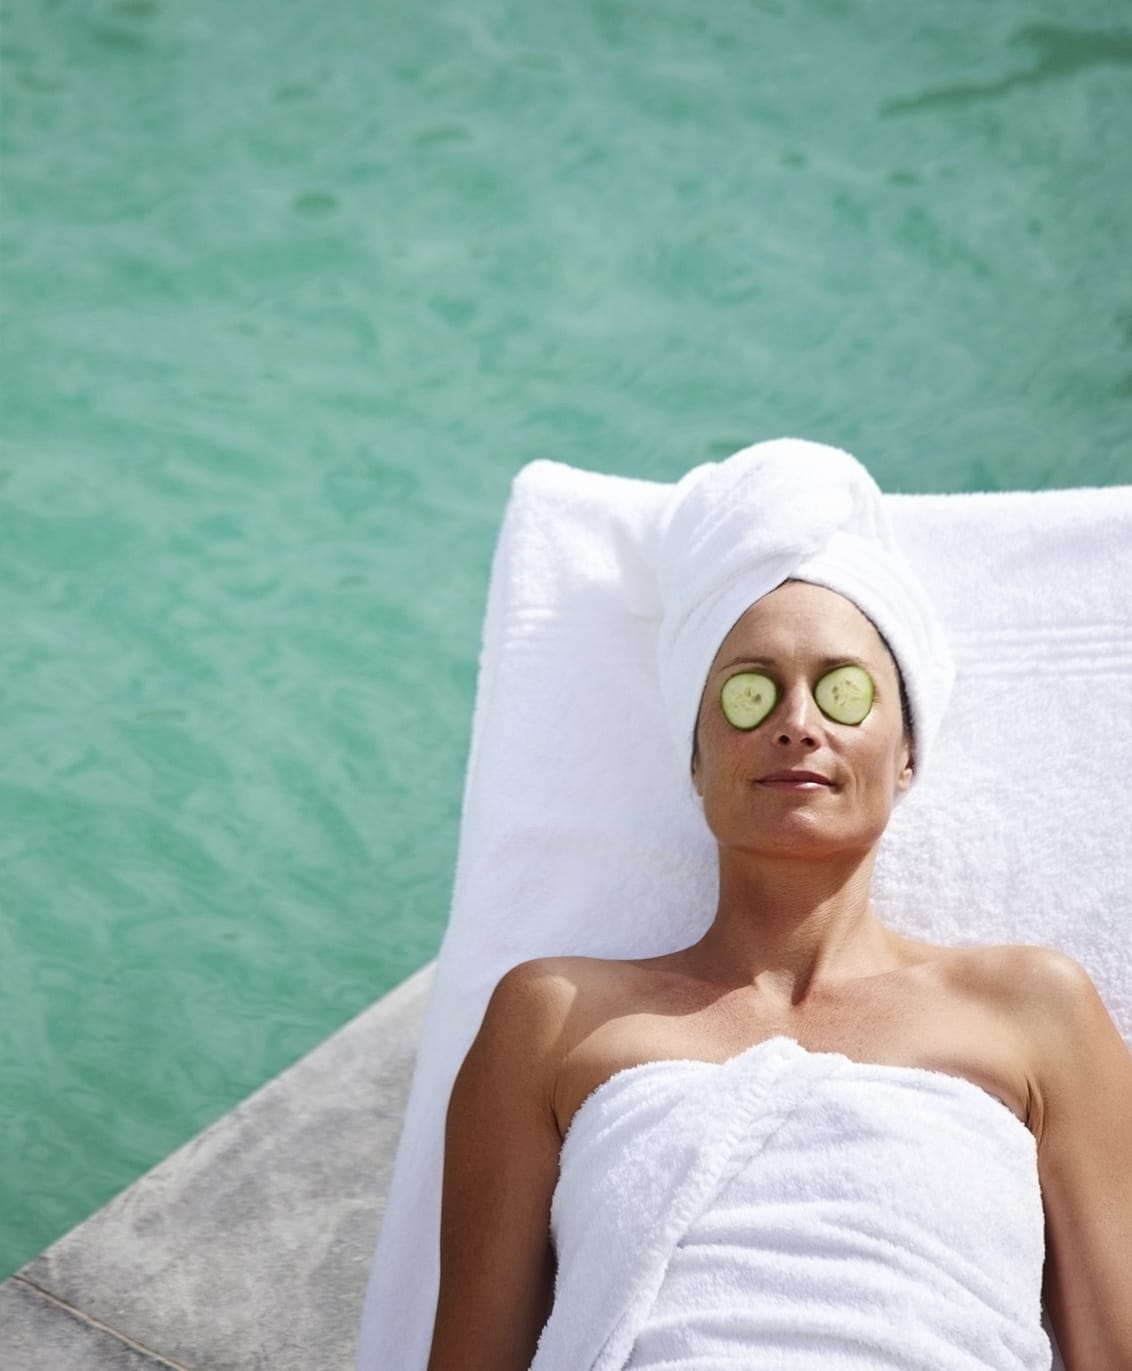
[{"x": 796, "y": 780}]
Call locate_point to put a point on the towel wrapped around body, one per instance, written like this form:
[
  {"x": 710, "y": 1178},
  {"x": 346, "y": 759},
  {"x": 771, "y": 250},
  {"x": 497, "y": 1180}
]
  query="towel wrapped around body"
[{"x": 828, "y": 1212}]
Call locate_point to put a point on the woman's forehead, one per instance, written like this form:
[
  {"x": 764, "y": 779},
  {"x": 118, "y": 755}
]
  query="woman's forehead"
[{"x": 803, "y": 619}]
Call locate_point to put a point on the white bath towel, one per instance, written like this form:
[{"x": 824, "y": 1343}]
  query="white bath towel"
[
  {"x": 581, "y": 833},
  {"x": 835, "y": 1215}
]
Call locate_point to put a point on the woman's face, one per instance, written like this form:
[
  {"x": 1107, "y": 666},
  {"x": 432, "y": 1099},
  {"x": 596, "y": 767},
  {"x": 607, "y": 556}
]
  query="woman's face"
[{"x": 799, "y": 782}]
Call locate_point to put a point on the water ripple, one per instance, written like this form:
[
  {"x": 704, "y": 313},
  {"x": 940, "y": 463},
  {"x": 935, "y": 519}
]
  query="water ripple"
[{"x": 1058, "y": 53}]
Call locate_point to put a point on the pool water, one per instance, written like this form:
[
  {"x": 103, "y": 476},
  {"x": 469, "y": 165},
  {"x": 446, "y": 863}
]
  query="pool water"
[{"x": 289, "y": 293}]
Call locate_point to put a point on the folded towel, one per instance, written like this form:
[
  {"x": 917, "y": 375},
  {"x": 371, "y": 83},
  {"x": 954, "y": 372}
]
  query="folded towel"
[
  {"x": 835, "y": 1214},
  {"x": 581, "y": 832}
]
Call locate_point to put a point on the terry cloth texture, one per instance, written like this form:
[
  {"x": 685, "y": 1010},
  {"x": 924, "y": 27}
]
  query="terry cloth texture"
[{"x": 829, "y": 1213}]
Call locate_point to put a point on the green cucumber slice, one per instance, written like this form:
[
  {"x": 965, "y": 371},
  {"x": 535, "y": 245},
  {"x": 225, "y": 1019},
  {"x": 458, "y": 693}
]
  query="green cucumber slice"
[
  {"x": 747, "y": 699},
  {"x": 845, "y": 694}
]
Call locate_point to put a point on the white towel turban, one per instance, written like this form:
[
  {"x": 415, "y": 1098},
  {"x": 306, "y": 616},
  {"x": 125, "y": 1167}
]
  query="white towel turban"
[{"x": 788, "y": 509}]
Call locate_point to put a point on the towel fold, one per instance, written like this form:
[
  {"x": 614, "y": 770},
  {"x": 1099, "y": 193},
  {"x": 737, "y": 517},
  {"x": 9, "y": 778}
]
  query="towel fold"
[
  {"x": 830, "y": 1213},
  {"x": 581, "y": 834}
]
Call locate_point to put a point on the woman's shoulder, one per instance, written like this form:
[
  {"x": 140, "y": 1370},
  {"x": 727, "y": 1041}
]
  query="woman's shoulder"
[
  {"x": 1016, "y": 975},
  {"x": 1035, "y": 988},
  {"x": 560, "y": 985},
  {"x": 1043, "y": 998}
]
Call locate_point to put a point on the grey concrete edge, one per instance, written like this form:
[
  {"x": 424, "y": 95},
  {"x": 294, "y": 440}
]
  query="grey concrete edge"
[{"x": 248, "y": 1246}]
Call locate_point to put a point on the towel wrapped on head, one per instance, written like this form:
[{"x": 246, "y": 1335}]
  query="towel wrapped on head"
[{"x": 788, "y": 510}]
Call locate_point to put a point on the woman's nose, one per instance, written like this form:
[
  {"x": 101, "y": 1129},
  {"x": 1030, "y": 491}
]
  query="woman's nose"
[{"x": 798, "y": 719}]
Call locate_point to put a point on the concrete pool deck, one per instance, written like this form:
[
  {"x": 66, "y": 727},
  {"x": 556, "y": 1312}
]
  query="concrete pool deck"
[{"x": 247, "y": 1248}]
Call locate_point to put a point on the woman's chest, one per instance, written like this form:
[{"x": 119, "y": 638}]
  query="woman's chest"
[{"x": 900, "y": 1021}]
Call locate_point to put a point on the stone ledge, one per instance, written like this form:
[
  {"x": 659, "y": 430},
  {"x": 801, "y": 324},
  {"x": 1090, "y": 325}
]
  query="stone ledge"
[
  {"x": 40, "y": 1332},
  {"x": 250, "y": 1246}
]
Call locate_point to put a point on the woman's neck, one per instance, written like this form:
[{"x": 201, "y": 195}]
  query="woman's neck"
[{"x": 789, "y": 925}]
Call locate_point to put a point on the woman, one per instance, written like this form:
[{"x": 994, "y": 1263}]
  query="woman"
[{"x": 1000, "y": 1066}]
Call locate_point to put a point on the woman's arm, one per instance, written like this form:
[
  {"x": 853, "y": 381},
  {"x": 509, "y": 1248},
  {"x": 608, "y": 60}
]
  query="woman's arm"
[
  {"x": 500, "y": 1169},
  {"x": 1083, "y": 1073}
]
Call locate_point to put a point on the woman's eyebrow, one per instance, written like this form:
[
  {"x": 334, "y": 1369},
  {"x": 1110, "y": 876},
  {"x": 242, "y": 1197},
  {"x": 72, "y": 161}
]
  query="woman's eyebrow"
[
  {"x": 746, "y": 661},
  {"x": 823, "y": 665}
]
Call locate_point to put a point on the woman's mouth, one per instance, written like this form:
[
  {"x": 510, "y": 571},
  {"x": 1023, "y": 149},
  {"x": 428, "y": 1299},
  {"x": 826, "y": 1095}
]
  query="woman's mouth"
[{"x": 796, "y": 780}]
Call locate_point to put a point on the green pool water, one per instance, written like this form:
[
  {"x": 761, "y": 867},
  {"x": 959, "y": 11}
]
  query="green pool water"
[{"x": 290, "y": 291}]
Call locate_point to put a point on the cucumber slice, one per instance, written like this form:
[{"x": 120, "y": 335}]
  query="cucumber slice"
[
  {"x": 845, "y": 694},
  {"x": 747, "y": 699}
]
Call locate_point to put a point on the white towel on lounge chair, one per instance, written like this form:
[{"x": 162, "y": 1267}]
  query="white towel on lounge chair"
[{"x": 580, "y": 829}]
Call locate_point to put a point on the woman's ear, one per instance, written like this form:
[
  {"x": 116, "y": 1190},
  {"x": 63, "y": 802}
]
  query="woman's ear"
[
  {"x": 697, "y": 784},
  {"x": 907, "y": 770}
]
